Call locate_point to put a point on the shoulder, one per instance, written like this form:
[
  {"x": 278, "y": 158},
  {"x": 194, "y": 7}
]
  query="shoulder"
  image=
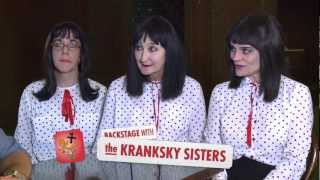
[
  {"x": 96, "y": 85},
  {"x": 34, "y": 87},
  {"x": 222, "y": 91},
  {"x": 191, "y": 83},
  {"x": 118, "y": 83},
  {"x": 291, "y": 85},
  {"x": 222, "y": 87},
  {"x": 117, "y": 86}
]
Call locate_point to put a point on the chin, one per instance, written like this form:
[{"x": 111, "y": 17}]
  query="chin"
[
  {"x": 145, "y": 73},
  {"x": 64, "y": 71},
  {"x": 239, "y": 74}
]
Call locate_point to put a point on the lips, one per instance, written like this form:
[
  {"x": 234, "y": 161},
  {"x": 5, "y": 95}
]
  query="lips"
[
  {"x": 65, "y": 61},
  {"x": 239, "y": 66},
  {"x": 145, "y": 65}
]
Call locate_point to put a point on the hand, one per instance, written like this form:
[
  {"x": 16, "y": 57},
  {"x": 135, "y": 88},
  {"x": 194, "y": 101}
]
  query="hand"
[{"x": 8, "y": 178}]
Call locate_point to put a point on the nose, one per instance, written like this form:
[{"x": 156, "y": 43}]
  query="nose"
[
  {"x": 65, "y": 49},
  {"x": 236, "y": 55},
  {"x": 143, "y": 56}
]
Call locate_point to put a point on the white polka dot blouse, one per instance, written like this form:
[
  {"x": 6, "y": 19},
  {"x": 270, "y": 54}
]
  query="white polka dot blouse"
[
  {"x": 178, "y": 119},
  {"x": 281, "y": 129},
  {"x": 39, "y": 121}
]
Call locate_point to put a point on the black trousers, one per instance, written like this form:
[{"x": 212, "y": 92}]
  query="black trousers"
[{"x": 248, "y": 169}]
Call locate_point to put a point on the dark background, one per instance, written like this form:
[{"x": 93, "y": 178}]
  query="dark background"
[{"x": 202, "y": 25}]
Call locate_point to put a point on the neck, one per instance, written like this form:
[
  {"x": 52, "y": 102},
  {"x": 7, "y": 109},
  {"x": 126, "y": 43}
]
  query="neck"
[
  {"x": 66, "y": 79},
  {"x": 255, "y": 79},
  {"x": 155, "y": 79}
]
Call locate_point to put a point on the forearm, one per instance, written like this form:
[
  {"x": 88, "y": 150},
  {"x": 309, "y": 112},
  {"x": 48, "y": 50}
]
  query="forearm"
[{"x": 19, "y": 161}]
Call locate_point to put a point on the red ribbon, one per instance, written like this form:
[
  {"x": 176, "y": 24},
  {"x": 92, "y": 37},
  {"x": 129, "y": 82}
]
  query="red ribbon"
[
  {"x": 249, "y": 127},
  {"x": 68, "y": 107},
  {"x": 249, "y": 123}
]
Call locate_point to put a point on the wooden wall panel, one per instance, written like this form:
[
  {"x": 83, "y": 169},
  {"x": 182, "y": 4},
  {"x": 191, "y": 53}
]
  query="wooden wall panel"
[
  {"x": 206, "y": 25},
  {"x": 24, "y": 27}
]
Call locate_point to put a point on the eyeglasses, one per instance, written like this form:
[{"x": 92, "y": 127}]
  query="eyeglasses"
[{"x": 58, "y": 45}]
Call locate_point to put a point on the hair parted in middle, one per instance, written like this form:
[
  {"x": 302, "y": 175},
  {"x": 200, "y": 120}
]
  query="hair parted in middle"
[
  {"x": 162, "y": 32},
  {"x": 64, "y": 29}
]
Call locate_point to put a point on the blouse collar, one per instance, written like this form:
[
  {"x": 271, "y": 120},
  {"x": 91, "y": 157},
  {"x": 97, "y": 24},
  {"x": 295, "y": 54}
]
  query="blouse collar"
[{"x": 72, "y": 87}]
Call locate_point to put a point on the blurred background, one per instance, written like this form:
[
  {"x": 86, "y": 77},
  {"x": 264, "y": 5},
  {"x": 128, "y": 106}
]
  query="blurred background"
[{"x": 201, "y": 24}]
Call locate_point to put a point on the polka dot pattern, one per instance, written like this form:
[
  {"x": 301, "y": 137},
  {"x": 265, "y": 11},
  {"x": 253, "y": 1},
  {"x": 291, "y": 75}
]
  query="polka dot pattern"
[
  {"x": 281, "y": 131},
  {"x": 39, "y": 121},
  {"x": 180, "y": 119}
]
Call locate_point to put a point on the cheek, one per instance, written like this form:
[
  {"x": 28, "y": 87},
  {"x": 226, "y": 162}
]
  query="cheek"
[
  {"x": 137, "y": 55},
  {"x": 231, "y": 55},
  {"x": 76, "y": 56},
  {"x": 162, "y": 60},
  {"x": 55, "y": 57},
  {"x": 255, "y": 63}
]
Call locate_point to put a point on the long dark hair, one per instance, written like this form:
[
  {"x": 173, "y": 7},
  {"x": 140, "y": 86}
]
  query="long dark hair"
[
  {"x": 162, "y": 32},
  {"x": 63, "y": 30},
  {"x": 263, "y": 33}
]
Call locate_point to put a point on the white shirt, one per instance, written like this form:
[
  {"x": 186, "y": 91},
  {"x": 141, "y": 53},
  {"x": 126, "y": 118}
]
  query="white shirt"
[
  {"x": 281, "y": 129},
  {"x": 180, "y": 119},
  {"x": 39, "y": 121}
]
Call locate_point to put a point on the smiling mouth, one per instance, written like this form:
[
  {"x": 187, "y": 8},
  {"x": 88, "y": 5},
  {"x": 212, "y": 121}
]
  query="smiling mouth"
[{"x": 144, "y": 65}]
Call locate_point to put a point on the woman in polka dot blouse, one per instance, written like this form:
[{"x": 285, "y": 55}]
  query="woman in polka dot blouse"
[
  {"x": 66, "y": 99},
  {"x": 266, "y": 116},
  {"x": 156, "y": 91}
]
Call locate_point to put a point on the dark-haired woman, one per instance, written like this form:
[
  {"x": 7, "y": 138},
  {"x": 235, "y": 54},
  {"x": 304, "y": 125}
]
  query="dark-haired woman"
[
  {"x": 266, "y": 116},
  {"x": 66, "y": 99},
  {"x": 156, "y": 91}
]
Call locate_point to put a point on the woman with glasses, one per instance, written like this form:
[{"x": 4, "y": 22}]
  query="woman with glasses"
[
  {"x": 265, "y": 115},
  {"x": 66, "y": 99}
]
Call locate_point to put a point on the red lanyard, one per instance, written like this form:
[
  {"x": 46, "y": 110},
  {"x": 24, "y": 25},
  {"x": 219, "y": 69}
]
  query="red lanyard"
[
  {"x": 156, "y": 110},
  {"x": 68, "y": 107},
  {"x": 249, "y": 125},
  {"x": 70, "y": 172}
]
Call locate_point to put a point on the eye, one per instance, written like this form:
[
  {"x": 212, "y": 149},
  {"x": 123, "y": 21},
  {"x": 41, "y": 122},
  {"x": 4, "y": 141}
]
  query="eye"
[
  {"x": 74, "y": 44},
  {"x": 138, "y": 48},
  {"x": 57, "y": 43},
  {"x": 247, "y": 50},
  {"x": 153, "y": 49}
]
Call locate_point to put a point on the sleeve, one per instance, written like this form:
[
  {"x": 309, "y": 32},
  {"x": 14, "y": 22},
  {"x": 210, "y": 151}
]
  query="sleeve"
[
  {"x": 299, "y": 138},
  {"x": 198, "y": 116},
  {"x": 8, "y": 145},
  {"x": 212, "y": 130},
  {"x": 108, "y": 113},
  {"x": 24, "y": 131}
]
